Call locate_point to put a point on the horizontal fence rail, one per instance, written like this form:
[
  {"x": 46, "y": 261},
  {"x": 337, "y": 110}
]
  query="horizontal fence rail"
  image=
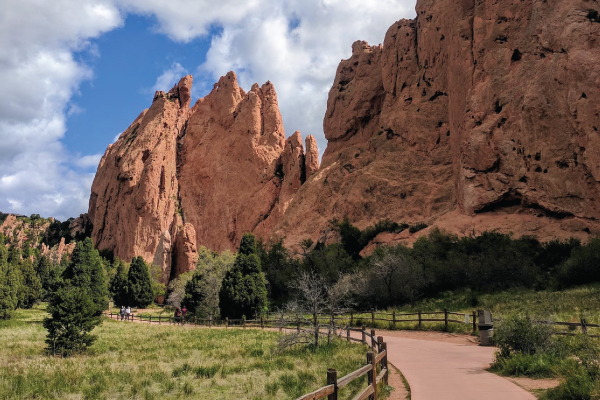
[{"x": 350, "y": 321}]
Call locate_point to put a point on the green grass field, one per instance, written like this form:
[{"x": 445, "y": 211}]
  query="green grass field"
[
  {"x": 568, "y": 305},
  {"x": 139, "y": 361}
]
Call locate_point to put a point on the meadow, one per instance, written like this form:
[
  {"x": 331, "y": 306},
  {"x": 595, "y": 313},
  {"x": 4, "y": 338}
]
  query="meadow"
[
  {"x": 568, "y": 305},
  {"x": 139, "y": 361}
]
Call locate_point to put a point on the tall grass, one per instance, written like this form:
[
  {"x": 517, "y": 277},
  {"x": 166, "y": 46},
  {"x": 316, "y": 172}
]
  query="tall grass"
[{"x": 140, "y": 361}]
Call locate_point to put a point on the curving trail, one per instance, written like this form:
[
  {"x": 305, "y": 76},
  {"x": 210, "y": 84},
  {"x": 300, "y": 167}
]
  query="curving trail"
[
  {"x": 448, "y": 367},
  {"x": 441, "y": 366}
]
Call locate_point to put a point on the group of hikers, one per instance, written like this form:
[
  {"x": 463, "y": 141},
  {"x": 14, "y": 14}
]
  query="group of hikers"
[
  {"x": 125, "y": 313},
  {"x": 179, "y": 313}
]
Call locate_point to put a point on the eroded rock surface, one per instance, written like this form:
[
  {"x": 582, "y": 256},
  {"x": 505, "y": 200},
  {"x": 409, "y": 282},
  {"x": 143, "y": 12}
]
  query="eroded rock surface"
[
  {"x": 476, "y": 115},
  {"x": 180, "y": 177}
]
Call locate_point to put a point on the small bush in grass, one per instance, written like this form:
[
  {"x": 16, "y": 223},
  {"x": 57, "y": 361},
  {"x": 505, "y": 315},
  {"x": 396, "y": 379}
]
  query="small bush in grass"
[{"x": 520, "y": 335}]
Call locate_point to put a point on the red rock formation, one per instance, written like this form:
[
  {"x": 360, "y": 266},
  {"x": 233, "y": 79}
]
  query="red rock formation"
[
  {"x": 180, "y": 177},
  {"x": 476, "y": 115},
  {"x": 135, "y": 192},
  {"x": 311, "y": 161}
]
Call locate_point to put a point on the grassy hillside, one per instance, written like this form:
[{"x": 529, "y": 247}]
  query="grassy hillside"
[{"x": 131, "y": 360}]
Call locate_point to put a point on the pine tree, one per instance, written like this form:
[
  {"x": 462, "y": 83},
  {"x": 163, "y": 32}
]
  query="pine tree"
[
  {"x": 77, "y": 304},
  {"x": 118, "y": 285},
  {"x": 244, "y": 291},
  {"x": 139, "y": 285},
  {"x": 30, "y": 290},
  {"x": 9, "y": 284},
  {"x": 85, "y": 271},
  {"x": 43, "y": 266},
  {"x": 72, "y": 318}
]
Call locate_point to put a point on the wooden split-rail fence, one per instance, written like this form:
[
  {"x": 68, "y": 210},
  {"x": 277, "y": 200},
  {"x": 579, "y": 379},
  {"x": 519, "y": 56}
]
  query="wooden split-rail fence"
[
  {"x": 376, "y": 361},
  {"x": 354, "y": 319},
  {"x": 376, "y": 367}
]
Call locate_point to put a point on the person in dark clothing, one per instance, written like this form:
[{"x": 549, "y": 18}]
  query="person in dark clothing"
[{"x": 177, "y": 315}]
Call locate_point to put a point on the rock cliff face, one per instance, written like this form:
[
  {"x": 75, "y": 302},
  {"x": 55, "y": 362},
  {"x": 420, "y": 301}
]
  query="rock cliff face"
[
  {"x": 476, "y": 115},
  {"x": 180, "y": 177}
]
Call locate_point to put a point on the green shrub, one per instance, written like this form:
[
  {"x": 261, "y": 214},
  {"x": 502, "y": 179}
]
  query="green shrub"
[
  {"x": 576, "y": 387},
  {"x": 520, "y": 335}
]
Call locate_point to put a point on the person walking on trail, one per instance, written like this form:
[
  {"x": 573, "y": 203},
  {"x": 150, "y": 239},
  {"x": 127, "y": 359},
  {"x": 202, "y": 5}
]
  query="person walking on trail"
[
  {"x": 122, "y": 312},
  {"x": 183, "y": 313},
  {"x": 127, "y": 312},
  {"x": 177, "y": 315}
]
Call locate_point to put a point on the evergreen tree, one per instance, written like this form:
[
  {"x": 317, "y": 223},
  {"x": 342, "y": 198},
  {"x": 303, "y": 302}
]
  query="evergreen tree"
[
  {"x": 30, "y": 290},
  {"x": 9, "y": 284},
  {"x": 85, "y": 271},
  {"x": 76, "y": 305},
  {"x": 139, "y": 285},
  {"x": 118, "y": 285},
  {"x": 73, "y": 315},
  {"x": 244, "y": 289},
  {"x": 43, "y": 266}
]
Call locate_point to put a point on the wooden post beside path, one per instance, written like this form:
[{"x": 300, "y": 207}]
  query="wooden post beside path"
[
  {"x": 384, "y": 362},
  {"x": 373, "y": 317},
  {"x": 583, "y": 326},
  {"x": 332, "y": 380},
  {"x": 364, "y": 335},
  {"x": 372, "y": 375},
  {"x": 420, "y": 319},
  {"x": 474, "y": 321},
  {"x": 445, "y": 319},
  {"x": 373, "y": 341}
]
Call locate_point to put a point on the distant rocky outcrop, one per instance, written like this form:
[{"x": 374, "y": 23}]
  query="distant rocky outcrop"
[
  {"x": 476, "y": 115},
  {"x": 45, "y": 235},
  {"x": 180, "y": 177}
]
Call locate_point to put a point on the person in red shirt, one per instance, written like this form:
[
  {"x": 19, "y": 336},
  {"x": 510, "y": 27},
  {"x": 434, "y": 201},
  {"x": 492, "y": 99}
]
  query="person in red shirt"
[{"x": 183, "y": 313}]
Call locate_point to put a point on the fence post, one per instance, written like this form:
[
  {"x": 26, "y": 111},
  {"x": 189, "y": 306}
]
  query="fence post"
[
  {"x": 150, "y": 319},
  {"x": 210, "y": 320},
  {"x": 384, "y": 363},
  {"x": 348, "y": 333},
  {"x": 351, "y": 318},
  {"x": 446, "y": 319},
  {"x": 420, "y": 319},
  {"x": 373, "y": 341},
  {"x": 584, "y": 326},
  {"x": 394, "y": 317},
  {"x": 262, "y": 323},
  {"x": 364, "y": 335},
  {"x": 226, "y": 322},
  {"x": 243, "y": 321},
  {"x": 474, "y": 321},
  {"x": 298, "y": 325},
  {"x": 373, "y": 317},
  {"x": 332, "y": 380},
  {"x": 372, "y": 376},
  {"x": 379, "y": 343}
]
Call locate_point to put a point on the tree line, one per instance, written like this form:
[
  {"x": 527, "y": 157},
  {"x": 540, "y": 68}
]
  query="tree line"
[{"x": 267, "y": 276}]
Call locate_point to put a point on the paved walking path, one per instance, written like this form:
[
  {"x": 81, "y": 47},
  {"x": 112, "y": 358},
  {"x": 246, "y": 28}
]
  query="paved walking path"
[
  {"x": 440, "y": 369},
  {"x": 449, "y": 371}
]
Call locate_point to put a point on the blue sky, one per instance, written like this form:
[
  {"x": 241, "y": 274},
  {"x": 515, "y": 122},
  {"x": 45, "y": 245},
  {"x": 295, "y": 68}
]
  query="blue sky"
[
  {"x": 76, "y": 73},
  {"x": 126, "y": 64}
]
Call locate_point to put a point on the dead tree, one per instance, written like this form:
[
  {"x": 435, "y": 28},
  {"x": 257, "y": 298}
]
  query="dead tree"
[{"x": 315, "y": 298}]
